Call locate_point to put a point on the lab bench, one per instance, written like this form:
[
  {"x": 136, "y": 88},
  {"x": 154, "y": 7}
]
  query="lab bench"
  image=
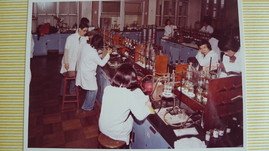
[
  {"x": 154, "y": 133},
  {"x": 178, "y": 52},
  {"x": 224, "y": 104}
]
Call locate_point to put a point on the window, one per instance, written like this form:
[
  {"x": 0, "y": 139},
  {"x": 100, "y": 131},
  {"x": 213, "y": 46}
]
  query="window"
[
  {"x": 110, "y": 14},
  {"x": 68, "y": 12},
  {"x": 175, "y": 10},
  {"x": 133, "y": 13},
  {"x": 213, "y": 9},
  {"x": 47, "y": 12}
]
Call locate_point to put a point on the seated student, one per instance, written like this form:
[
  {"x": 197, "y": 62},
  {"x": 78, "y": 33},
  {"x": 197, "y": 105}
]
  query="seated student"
[
  {"x": 169, "y": 29},
  {"x": 207, "y": 26},
  {"x": 120, "y": 101},
  {"x": 232, "y": 58},
  {"x": 206, "y": 57},
  {"x": 86, "y": 70}
]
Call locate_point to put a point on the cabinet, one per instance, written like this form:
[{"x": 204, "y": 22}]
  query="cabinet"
[
  {"x": 132, "y": 35},
  {"x": 52, "y": 41},
  {"x": 102, "y": 82},
  {"x": 146, "y": 136},
  {"x": 177, "y": 51},
  {"x": 187, "y": 52},
  {"x": 40, "y": 46},
  {"x": 174, "y": 52},
  {"x": 62, "y": 40},
  {"x": 49, "y": 42},
  {"x": 159, "y": 35}
]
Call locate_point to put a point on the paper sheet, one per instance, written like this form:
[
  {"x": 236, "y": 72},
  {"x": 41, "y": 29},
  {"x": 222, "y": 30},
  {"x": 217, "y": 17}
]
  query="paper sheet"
[{"x": 186, "y": 131}]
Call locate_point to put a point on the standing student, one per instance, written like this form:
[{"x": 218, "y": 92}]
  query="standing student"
[
  {"x": 206, "y": 58},
  {"x": 86, "y": 71},
  {"x": 73, "y": 45},
  {"x": 120, "y": 101}
]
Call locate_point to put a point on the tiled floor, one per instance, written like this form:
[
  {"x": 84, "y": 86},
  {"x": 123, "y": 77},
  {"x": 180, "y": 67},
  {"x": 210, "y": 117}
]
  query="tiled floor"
[{"x": 48, "y": 126}]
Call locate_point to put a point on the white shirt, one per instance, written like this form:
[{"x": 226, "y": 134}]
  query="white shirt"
[
  {"x": 115, "y": 120},
  {"x": 235, "y": 66},
  {"x": 204, "y": 60},
  {"x": 214, "y": 45},
  {"x": 86, "y": 67},
  {"x": 207, "y": 29},
  {"x": 168, "y": 30},
  {"x": 73, "y": 45}
]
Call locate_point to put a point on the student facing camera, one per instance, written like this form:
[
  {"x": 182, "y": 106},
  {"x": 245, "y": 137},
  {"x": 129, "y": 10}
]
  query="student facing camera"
[
  {"x": 206, "y": 58},
  {"x": 120, "y": 101}
]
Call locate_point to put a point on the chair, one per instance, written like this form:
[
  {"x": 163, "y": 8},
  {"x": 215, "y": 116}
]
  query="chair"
[
  {"x": 67, "y": 97},
  {"x": 109, "y": 143},
  {"x": 161, "y": 62}
]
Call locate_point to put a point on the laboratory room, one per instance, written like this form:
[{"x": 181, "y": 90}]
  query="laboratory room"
[{"x": 135, "y": 74}]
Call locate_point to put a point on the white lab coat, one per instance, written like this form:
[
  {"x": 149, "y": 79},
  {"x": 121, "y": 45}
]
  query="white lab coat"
[
  {"x": 73, "y": 45},
  {"x": 207, "y": 29},
  {"x": 235, "y": 66},
  {"x": 86, "y": 67},
  {"x": 214, "y": 45},
  {"x": 115, "y": 120},
  {"x": 169, "y": 30},
  {"x": 204, "y": 60}
]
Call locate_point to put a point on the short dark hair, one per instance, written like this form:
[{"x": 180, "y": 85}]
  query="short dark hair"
[
  {"x": 125, "y": 77},
  {"x": 226, "y": 44},
  {"x": 204, "y": 42},
  {"x": 83, "y": 25},
  {"x": 96, "y": 42},
  {"x": 84, "y": 20},
  {"x": 167, "y": 20}
]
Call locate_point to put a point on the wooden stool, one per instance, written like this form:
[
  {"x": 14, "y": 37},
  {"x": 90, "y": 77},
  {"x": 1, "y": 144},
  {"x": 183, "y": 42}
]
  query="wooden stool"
[
  {"x": 67, "y": 97},
  {"x": 107, "y": 142}
]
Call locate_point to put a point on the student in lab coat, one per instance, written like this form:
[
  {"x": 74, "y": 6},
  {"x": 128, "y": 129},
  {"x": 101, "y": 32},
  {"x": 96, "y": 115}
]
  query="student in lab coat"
[
  {"x": 119, "y": 101},
  {"x": 232, "y": 58},
  {"x": 207, "y": 26},
  {"x": 206, "y": 56},
  {"x": 86, "y": 71},
  {"x": 169, "y": 29},
  {"x": 73, "y": 45}
]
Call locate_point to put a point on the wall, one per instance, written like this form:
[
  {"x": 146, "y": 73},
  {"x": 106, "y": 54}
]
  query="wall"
[
  {"x": 231, "y": 13},
  {"x": 86, "y": 10},
  {"x": 95, "y": 8},
  {"x": 194, "y": 12},
  {"x": 152, "y": 12}
]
